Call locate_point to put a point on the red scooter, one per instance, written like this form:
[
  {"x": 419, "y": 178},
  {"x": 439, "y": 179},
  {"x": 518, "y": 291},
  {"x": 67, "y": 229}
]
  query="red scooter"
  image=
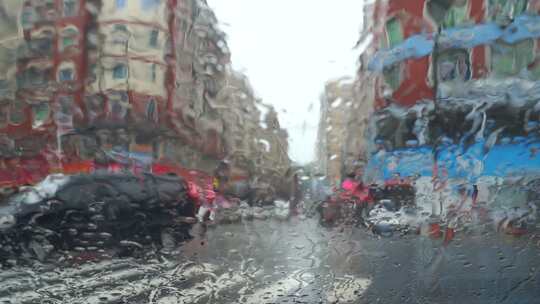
[{"x": 346, "y": 204}]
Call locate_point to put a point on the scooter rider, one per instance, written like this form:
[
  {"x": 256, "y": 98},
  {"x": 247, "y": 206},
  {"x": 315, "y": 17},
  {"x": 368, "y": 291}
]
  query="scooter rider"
[
  {"x": 356, "y": 192},
  {"x": 204, "y": 199}
]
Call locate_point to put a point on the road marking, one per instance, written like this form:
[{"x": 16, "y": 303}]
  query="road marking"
[
  {"x": 150, "y": 285},
  {"x": 106, "y": 282},
  {"x": 198, "y": 293},
  {"x": 280, "y": 288},
  {"x": 347, "y": 290}
]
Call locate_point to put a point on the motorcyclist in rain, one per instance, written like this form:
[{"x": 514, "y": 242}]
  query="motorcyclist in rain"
[
  {"x": 204, "y": 200},
  {"x": 396, "y": 180},
  {"x": 357, "y": 193}
]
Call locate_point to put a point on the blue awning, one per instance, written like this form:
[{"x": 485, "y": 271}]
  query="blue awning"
[
  {"x": 126, "y": 157},
  {"x": 523, "y": 27},
  {"x": 417, "y": 46},
  {"x": 469, "y": 37},
  {"x": 515, "y": 158}
]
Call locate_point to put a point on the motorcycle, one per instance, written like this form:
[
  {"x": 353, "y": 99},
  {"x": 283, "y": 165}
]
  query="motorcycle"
[{"x": 344, "y": 206}]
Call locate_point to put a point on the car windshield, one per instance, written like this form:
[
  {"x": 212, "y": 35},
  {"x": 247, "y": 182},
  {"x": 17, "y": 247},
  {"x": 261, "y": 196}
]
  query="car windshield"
[{"x": 256, "y": 151}]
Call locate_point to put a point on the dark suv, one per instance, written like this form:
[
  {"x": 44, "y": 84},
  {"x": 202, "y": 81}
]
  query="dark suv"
[{"x": 94, "y": 214}]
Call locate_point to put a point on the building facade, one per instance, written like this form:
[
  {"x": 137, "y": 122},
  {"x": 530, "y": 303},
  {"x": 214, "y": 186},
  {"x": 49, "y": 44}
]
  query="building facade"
[
  {"x": 128, "y": 84},
  {"x": 449, "y": 75},
  {"x": 10, "y": 39},
  {"x": 336, "y": 106}
]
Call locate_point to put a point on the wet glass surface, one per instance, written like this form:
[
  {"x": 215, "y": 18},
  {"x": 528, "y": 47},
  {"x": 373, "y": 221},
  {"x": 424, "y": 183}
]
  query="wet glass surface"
[{"x": 251, "y": 151}]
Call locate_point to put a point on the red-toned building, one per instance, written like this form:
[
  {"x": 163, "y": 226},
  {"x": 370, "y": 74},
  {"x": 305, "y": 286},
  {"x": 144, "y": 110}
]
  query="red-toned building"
[
  {"x": 51, "y": 75},
  {"x": 396, "y": 20},
  {"x": 109, "y": 84},
  {"x": 429, "y": 79},
  {"x": 95, "y": 76},
  {"x": 51, "y": 66}
]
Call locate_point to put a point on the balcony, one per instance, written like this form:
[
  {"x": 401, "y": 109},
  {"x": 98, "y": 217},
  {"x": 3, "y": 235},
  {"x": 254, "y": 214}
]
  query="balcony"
[
  {"x": 34, "y": 78},
  {"x": 5, "y": 89},
  {"x": 41, "y": 47}
]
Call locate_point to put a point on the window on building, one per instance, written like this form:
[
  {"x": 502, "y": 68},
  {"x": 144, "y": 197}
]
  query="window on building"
[
  {"x": 168, "y": 47},
  {"x": 504, "y": 11},
  {"x": 203, "y": 45},
  {"x": 120, "y": 27},
  {"x": 510, "y": 59},
  {"x": 153, "y": 72},
  {"x": 120, "y": 34},
  {"x": 120, "y": 71},
  {"x": 41, "y": 46},
  {"x": 457, "y": 14},
  {"x": 157, "y": 150},
  {"x": 92, "y": 72},
  {"x": 210, "y": 86},
  {"x": 69, "y": 38},
  {"x": 94, "y": 106},
  {"x": 67, "y": 42},
  {"x": 149, "y": 4},
  {"x": 454, "y": 65},
  {"x": 4, "y": 84},
  {"x": 92, "y": 38},
  {"x": 183, "y": 25},
  {"x": 151, "y": 111},
  {"x": 16, "y": 113},
  {"x": 394, "y": 32},
  {"x": 70, "y": 8},
  {"x": 49, "y": 4},
  {"x": 392, "y": 76},
  {"x": 40, "y": 114},
  {"x": 154, "y": 35},
  {"x": 63, "y": 115},
  {"x": 394, "y": 36},
  {"x": 121, "y": 4},
  {"x": 519, "y": 7},
  {"x": 66, "y": 75},
  {"x": 535, "y": 69},
  {"x": 118, "y": 105},
  {"x": 4, "y": 114},
  {"x": 449, "y": 13},
  {"x": 27, "y": 18},
  {"x": 66, "y": 104},
  {"x": 33, "y": 77}
]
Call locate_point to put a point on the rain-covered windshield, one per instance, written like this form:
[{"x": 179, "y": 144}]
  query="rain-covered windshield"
[{"x": 255, "y": 151}]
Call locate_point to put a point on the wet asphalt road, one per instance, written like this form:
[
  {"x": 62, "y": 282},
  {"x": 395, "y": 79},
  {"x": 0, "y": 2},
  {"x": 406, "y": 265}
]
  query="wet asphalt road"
[
  {"x": 351, "y": 265},
  {"x": 298, "y": 261}
]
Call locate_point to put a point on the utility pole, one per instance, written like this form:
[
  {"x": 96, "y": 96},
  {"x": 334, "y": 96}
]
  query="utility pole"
[
  {"x": 436, "y": 88},
  {"x": 436, "y": 69}
]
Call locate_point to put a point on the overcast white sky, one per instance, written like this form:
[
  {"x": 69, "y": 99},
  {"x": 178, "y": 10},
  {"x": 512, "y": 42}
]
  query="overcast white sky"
[{"x": 289, "y": 49}]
